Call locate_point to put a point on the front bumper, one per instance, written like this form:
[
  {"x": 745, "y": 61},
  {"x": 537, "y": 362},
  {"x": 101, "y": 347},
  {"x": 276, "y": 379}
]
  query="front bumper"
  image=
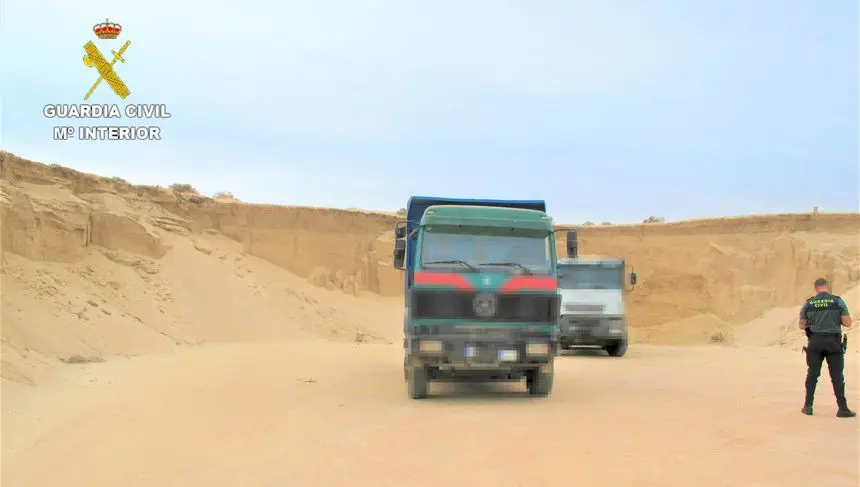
[
  {"x": 455, "y": 352},
  {"x": 590, "y": 330}
]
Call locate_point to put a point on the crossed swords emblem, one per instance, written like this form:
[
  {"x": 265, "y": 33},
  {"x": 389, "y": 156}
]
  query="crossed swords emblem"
[{"x": 94, "y": 58}]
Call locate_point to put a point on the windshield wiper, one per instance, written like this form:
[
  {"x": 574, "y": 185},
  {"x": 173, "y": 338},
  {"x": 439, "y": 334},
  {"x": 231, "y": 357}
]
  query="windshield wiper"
[
  {"x": 523, "y": 268},
  {"x": 461, "y": 262}
]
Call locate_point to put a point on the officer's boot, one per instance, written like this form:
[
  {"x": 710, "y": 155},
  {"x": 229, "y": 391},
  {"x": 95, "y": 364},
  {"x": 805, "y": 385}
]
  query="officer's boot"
[
  {"x": 844, "y": 412},
  {"x": 839, "y": 391},
  {"x": 810, "y": 396}
]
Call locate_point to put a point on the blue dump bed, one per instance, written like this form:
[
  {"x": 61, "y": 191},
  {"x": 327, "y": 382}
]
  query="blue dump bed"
[{"x": 418, "y": 205}]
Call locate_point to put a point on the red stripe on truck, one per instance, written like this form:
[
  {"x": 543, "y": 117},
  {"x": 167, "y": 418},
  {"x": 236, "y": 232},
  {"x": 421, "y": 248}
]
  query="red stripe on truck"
[
  {"x": 443, "y": 279},
  {"x": 529, "y": 283}
]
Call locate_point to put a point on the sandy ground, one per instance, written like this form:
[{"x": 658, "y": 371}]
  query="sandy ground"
[
  {"x": 317, "y": 414},
  {"x": 214, "y": 343}
]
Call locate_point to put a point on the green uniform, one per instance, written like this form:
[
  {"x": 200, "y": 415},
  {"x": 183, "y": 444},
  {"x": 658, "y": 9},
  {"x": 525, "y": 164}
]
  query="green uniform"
[{"x": 823, "y": 314}]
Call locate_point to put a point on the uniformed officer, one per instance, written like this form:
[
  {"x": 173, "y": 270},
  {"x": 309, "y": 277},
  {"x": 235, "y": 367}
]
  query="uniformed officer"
[{"x": 822, "y": 317}]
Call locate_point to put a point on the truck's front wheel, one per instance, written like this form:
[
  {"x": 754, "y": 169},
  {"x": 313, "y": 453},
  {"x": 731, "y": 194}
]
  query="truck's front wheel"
[
  {"x": 416, "y": 382},
  {"x": 617, "y": 349},
  {"x": 539, "y": 384}
]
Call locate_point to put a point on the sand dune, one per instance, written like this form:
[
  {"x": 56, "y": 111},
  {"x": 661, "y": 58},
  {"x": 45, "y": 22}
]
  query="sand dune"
[{"x": 215, "y": 342}]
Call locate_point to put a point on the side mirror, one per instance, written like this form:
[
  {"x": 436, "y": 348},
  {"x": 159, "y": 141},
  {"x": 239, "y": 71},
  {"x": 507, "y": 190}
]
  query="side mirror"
[
  {"x": 572, "y": 244},
  {"x": 399, "y": 232},
  {"x": 399, "y": 253},
  {"x": 632, "y": 278}
]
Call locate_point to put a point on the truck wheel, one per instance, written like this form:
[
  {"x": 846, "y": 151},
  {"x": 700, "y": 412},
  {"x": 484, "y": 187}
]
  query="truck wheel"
[
  {"x": 539, "y": 384},
  {"x": 617, "y": 349},
  {"x": 416, "y": 382}
]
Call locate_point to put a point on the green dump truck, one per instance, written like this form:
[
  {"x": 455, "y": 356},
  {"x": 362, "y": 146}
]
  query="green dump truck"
[{"x": 481, "y": 299}]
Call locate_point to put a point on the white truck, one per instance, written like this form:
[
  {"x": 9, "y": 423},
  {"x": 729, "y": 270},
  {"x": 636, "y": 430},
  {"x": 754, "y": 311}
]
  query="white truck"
[{"x": 591, "y": 295}]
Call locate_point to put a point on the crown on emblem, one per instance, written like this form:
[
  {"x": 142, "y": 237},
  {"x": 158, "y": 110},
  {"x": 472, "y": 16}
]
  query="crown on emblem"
[{"x": 107, "y": 30}]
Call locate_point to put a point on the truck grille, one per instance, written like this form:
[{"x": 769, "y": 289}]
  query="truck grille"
[
  {"x": 574, "y": 321},
  {"x": 458, "y": 305},
  {"x": 576, "y": 308}
]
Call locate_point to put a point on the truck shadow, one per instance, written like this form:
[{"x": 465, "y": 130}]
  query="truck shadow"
[
  {"x": 584, "y": 352},
  {"x": 481, "y": 391}
]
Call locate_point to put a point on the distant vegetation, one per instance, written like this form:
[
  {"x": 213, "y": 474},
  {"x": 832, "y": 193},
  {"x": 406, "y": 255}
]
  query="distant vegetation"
[
  {"x": 226, "y": 195},
  {"x": 183, "y": 188},
  {"x": 654, "y": 219}
]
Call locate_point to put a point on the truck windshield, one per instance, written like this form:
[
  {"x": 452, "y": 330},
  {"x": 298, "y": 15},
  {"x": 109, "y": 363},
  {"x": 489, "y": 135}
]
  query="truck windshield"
[
  {"x": 590, "y": 277},
  {"x": 484, "y": 248}
]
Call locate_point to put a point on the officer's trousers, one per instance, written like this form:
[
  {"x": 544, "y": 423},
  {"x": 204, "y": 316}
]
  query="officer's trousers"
[{"x": 821, "y": 347}]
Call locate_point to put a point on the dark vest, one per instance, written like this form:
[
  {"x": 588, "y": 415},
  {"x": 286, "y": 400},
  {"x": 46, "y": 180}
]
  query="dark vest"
[{"x": 824, "y": 313}]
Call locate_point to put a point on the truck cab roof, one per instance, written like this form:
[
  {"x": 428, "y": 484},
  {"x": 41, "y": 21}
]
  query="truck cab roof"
[
  {"x": 417, "y": 205},
  {"x": 488, "y": 216}
]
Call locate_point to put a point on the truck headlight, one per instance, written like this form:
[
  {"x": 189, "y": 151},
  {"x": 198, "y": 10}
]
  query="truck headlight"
[
  {"x": 430, "y": 346},
  {"x": 616, "y": 327},
  {"x": 537, "y": 349}
]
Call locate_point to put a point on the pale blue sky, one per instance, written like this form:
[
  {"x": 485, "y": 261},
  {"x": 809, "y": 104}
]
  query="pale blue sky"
[{"x": 610, "y": 110}]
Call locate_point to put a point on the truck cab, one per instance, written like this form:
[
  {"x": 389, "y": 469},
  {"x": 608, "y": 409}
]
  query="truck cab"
[
  {"x": 481, "y": 299},
  {"x": 592, "y": 310}
]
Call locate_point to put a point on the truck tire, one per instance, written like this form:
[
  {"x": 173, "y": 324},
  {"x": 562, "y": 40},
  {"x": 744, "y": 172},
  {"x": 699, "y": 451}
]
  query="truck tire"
[
  {"x": 539, "y": 384},
  {"x": 416, "y": 382},
  {"x": 617, "y": 349}
]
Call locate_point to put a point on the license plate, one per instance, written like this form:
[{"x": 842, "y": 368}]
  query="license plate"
[
  {"x": 507, "y": 355},
  {"x": 470, "y": 352}
]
